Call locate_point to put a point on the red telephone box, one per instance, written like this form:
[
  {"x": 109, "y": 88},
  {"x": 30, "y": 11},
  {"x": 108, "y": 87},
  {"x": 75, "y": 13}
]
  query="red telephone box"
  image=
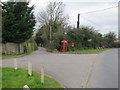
[{"x": 64, "y": 45}]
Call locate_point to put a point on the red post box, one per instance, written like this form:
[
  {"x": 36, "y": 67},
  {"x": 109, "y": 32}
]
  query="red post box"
[
  {"x": 72, "y": 44},
  {"x": 64, "y": 45}
]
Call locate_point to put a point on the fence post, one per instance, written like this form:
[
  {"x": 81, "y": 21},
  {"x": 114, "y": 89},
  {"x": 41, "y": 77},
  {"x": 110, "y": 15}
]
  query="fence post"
[
  {"x": 15, "y": 64},
  {"x": 42, "y": 75},
  {"x": 29, "y": 68},
  {"x": 26, "y": 87}
]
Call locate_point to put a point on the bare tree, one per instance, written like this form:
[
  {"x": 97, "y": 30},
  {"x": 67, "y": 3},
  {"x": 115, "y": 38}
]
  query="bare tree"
[
  {"x": 53, "y": 17},
  {"x": 53, "y": 13}
]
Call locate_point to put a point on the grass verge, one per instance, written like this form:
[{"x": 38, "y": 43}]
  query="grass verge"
[
  {"x": 0, "y": 78},
  {"x": 17, "y": 55},
  {"x": 87, "y": 51},
  {"x": 19, "y": 78}
]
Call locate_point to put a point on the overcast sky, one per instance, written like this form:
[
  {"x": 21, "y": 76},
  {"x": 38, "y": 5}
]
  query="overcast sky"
[{"x": 103, "y": 21}]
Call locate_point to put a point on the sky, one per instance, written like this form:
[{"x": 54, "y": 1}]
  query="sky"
[{"x": 104, "y": 21}]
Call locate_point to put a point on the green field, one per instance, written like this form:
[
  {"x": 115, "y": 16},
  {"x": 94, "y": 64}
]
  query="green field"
[
  {"x": 88, "y": 51},
  {"x": 19, "y": 78}
]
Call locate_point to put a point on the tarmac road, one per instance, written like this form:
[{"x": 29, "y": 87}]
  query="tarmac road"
[
  {"x": 74, "y": 70},
  {"x": 105, "y": 71}
]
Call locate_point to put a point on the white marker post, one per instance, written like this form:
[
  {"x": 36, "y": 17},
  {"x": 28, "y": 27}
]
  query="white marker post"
[
  {"x": 26, "y": 87},
  {"x": 42, "y": 75},
  {"x": 15, "y": 64},
  {"x": 29, "y": 68}
]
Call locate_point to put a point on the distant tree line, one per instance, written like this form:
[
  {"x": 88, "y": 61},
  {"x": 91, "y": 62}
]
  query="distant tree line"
[{"x": 84, "y": 38}]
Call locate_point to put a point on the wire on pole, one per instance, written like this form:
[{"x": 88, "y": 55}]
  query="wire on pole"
[
  {"x": 91, "y": 21},
  {"x": 99, "y": 10}
]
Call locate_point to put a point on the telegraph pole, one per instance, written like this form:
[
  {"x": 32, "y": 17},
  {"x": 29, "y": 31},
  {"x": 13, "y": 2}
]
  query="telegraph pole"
[
  {"x": 50, "y": 32},
  {"x": 50, "y": 28},
  {"x": 78, "y": 22}
]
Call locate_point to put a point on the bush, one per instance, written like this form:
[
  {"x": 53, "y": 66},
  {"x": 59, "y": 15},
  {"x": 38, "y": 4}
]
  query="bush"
[{"x": 83, "y": 38}]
